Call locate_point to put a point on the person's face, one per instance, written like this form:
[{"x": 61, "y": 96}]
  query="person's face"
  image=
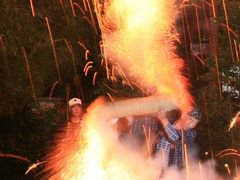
[
  {"x": 76, "y": 110},
  {"x": 190, "y": 122}
]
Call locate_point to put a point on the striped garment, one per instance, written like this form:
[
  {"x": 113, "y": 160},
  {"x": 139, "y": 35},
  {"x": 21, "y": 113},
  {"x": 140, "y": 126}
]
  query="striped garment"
[
  {"x": 165, "y": 142},
  {"x": 143, "y": 129},
  {"x": 142, "y": 124},
  {"x": 173, "y": 145}
]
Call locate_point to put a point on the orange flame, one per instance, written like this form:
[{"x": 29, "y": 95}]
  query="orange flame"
[
  {"x": 140, "y": 36},
  {"x": 95, "y": 153}
]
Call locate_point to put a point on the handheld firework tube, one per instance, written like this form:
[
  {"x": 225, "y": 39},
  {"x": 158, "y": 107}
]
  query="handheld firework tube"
[{"x": 137, "y": 106}]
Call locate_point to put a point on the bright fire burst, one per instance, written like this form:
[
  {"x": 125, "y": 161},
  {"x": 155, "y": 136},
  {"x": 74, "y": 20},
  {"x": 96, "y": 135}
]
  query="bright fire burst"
[
  {"x": 139, "y": 36},
  {"x": 95, "y": 153}
]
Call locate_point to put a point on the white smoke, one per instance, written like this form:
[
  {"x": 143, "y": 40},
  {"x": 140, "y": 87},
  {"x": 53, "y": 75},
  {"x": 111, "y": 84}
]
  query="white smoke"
[{"x": 123, "y": 161}]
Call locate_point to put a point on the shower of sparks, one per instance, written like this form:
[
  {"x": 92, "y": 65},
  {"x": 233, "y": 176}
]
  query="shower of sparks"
[
  {"x": 138, "y": 39},
  {"x": 138, "y": 46},
  {"x": 148, "y": 58},
  {"x": 140, "y": 36},
  {"x": 93, "y": 152}
]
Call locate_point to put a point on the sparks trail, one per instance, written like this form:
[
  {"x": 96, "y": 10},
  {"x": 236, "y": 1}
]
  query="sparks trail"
[
  {"x": 52, "y": 88},
  {"x": 87, "y": 68},
  {"x": 227, "y": 152},
  {"x": 234, "y": 120},
  {"x": 127, "y": 41},
  {"x": 228, "y": 29},
  {"x": 32, "y": 8},
  {"x": 15, "y": 157},
  {"x": 34, "y": 166},
  {"x": 69, "y": 47},
  {"x": 54, "y": 50},
  {"x": 29, "y": 73},
  {"x": 139, "y": 56}
]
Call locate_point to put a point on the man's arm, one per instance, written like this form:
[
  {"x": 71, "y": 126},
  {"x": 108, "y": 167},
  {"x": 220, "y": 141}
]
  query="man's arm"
[{"x": 169, "y": 129}]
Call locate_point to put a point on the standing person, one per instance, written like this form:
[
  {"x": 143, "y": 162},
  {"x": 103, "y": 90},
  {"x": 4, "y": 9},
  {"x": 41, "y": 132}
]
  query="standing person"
[
  {"x": 184, "y": 136},
  {"x": 66, "y": 143},
  {"x": 75, "y": 120},
  {"x": 168, "y": 137},
  {"x": 145, "y": 131},
  {"x": 187, "y": 133},
  {"x": 75, "y": 109}
]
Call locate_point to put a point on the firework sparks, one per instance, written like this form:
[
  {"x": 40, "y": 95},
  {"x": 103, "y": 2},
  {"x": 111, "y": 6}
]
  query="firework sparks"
[
  {"x": 87, "y": 53},
  {"x": 52, "y": 88},
  {"x": 87, "y": 67},
  {"x": 95, "y": 153},
  {"x": 73, "y": 11},
  {"x": 33, "y": 167},
  {"x": 139, "y": 35},
  {"x": 228, "y": 152},
  {"x": 54, "y": 50},
  {"x": 94, "y": 79},
  {"x": 82, "y": 45},
  {"x": 227, "y": 167},
  {"x": 32, "y": 8},
  {"x": 29, "y": 73},
  {"x": 138, "y": 39},
  {"x": 234, "y": 120},
  {"x": 79, "y": 7},
  {"x": 15, "y": 157},
  {"x": 228, "y": 29}
]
